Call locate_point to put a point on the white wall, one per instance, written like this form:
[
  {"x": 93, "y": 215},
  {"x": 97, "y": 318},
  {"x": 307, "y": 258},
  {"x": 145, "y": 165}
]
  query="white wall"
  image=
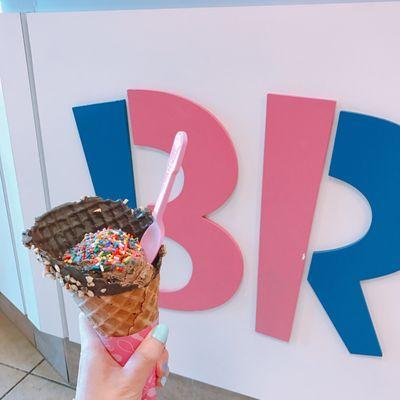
[
  {"x": 9, "y": 282},
  {"x": 227, "y": 60},
  {"x": 24, "y": 183}
]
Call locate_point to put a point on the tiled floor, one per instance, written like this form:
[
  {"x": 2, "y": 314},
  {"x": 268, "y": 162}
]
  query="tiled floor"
[{"x": 24, "y": 374}]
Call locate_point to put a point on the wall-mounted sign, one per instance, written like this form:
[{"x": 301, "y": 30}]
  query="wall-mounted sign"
[{"x": 298, "y": 131}]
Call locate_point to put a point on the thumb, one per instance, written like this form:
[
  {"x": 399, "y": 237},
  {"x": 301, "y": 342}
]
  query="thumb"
[
  {"x": 145, "y": 358},
  {"x": 90, "y": 341}
]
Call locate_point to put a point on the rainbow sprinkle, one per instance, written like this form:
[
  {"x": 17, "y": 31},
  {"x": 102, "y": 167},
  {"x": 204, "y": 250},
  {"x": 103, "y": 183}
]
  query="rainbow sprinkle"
[{"x": 104, "y": 250}]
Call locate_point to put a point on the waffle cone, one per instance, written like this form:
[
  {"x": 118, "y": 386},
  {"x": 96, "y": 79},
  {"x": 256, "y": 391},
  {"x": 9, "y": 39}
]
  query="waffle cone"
[
  {"x": 64, "y": 226},
  {"x": 113, "y": 308},
  {"x": 122, "y": 314}
]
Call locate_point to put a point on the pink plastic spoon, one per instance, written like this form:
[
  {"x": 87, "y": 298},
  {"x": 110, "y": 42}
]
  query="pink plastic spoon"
[{"x": 154, "y": 235}]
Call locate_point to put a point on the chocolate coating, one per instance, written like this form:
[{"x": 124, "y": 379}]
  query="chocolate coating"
[{"x": 64, "y": 226}]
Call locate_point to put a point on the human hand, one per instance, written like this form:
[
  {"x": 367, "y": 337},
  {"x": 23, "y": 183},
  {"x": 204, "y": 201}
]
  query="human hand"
[{"x": 101, "y": 377}]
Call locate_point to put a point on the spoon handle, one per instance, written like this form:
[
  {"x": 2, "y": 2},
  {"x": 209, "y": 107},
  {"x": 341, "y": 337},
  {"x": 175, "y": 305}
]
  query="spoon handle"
[{"x": 174, "y": 163}]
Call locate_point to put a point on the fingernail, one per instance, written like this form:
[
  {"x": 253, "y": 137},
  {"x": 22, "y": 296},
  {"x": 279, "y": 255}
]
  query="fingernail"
[
  {"x": 163, "y": 380},
  {"x": 161, "y": 333},
  {"x": 165, "y": 367}
]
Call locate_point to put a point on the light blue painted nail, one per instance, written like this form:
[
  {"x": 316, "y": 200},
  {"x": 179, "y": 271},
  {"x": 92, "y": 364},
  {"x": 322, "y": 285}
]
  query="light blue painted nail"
[
  {"x": 165, "y": 367},
  {"x": 163, "y": 380},
  {"x": 161, "y": 333}
]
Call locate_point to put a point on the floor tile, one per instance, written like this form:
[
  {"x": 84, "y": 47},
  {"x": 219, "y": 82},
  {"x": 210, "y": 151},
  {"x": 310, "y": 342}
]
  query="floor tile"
[
  {"x": 180, "y": 388},
  {"x": 45, "y": 370},
  {"x": 15, "y": 349},
  {"x": 8, "y": 378},
  {"x": 176, "y": 388},
  {"x": 33, "y": 387},
  {"x": 17, "y": 318}
]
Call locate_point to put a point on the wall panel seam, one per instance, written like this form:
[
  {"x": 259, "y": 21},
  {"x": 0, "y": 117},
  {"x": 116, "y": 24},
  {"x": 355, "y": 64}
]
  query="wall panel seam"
[{"x": 39, "y": 141}]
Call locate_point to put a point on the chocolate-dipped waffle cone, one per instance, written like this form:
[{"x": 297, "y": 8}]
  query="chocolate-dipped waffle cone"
[
  {"x": 114, "y": 308},
  {"x": 122, "y": 314}
]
